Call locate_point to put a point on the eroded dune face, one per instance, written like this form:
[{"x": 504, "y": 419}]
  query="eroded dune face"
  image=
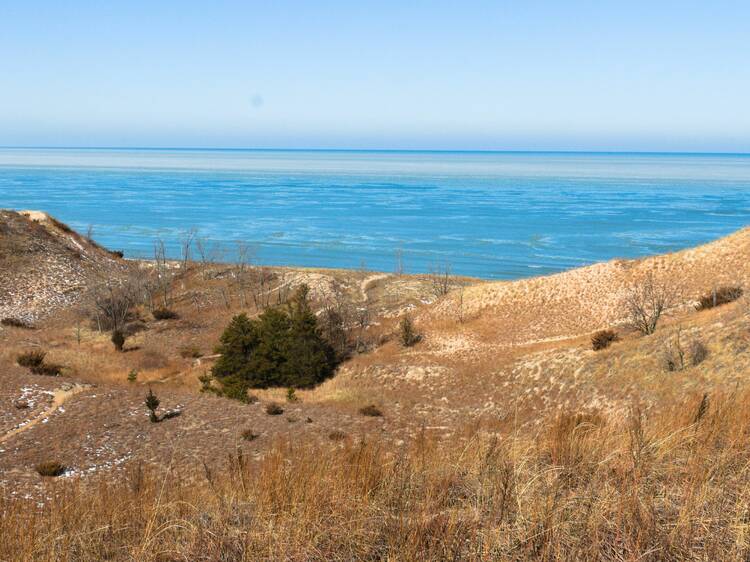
[{"x": 45, "y": 266}]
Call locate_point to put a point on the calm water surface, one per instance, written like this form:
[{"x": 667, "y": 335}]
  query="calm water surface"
[{"x": 493, "y": 215}]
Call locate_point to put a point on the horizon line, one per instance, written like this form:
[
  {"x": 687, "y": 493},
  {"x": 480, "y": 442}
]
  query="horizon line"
[{"x": 384, "y": 150}]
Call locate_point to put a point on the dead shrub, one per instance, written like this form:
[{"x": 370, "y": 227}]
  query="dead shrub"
[
  {"x": 372, "y": 411},
  {"x": 17, "y": 323},
  {"x": 31, "y": 359},
  {"x": 646, "y": 301},
  {"x": 191, "y": 352},
  {"x": 34, "y": 361},
  {"x": 337, "y": 435},
  {"x": 164, "y": 314},
  {"x": 273, "y": 409},
  {"x": 50, "y": 469},
  {"x": 719, "y": 296},
  {"x": 603, "y": 339},
  {"x": 250, "y": 435},
  {"x": 676, "y": 356},
  {"x": 698, "y": 351},
  {"x": 407, "y": 333}
]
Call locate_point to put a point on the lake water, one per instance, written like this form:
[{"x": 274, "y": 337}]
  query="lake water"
[{"x": 487, "y": 214}]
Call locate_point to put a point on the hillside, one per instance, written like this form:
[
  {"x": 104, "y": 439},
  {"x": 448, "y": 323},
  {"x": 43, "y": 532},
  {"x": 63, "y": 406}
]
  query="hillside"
[
  {"x": 499, "y": 427},
  {"x": 44, "y": 265}
]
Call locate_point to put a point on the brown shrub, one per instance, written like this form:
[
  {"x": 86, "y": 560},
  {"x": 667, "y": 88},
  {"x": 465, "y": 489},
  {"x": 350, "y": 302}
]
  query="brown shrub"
[
  {"x": 719, "y": 296},
  {"x": 164, "y": 314},
  {"x": 17, "y": 323},
  {"x": 50, "y": 468},
  {"x": 191, "y": 352},
  {"x": 372, "y": 410},
  {"x": 273, "y": 409},
  {"x": 337, "y": 435},
  {"x": 250, "y": 435},
  {"x": 34, "y": 361},
  {"x": 603, "y": 339},
  {"x": 31, "y": 359}
]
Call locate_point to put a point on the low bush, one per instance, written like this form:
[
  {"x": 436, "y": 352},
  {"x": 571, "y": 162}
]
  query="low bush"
[
  {"x": 191, "y": 352},
  {"x": 372, "y": 411},
  {"x": 677, "y": 356},
  {"x": 603, "y": 339},
  {"x": 50, "y": 469},
  {"x": 407, "y": 333},
  {"x": 719, "y": 296},
  {"x": 16, "y": 323},
  {"x": 273, "y": 409},
  {"x": 250, "y": 435},
  {"x": 164, "y": 314},
  {"x": 118, "y": 340},
  {"x": 291, "y": 395},
  {"x": 31, "y": 359},
  {"x": 337, "y": 435},
  {"x": 698, "y": 351},
  {"x": 34, "y": 361}
]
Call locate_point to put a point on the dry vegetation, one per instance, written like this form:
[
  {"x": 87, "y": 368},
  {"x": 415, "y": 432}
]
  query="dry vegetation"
[
  {"x": 671, "y": 486},
  {"x": 467, "y": 421}
]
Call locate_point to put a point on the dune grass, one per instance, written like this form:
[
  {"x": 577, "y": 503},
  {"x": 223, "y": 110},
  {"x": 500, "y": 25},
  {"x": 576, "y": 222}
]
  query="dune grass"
[{"x": 670, "y": 485}]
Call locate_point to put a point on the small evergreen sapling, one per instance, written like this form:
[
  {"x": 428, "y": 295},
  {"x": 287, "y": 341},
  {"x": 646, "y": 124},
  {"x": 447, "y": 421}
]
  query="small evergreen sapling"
[{"x": 152, "y": 403}]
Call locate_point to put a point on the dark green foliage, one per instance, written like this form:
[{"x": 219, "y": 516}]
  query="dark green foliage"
[
  {"x": 152, "y": 403},
  {"x": 291, "y": 395},
  {"x": 283, "y": 347},
  {"x": 602, "y": 339},
  {"x": 719, "y": 296},
  {"x": 118, "y": 340}
]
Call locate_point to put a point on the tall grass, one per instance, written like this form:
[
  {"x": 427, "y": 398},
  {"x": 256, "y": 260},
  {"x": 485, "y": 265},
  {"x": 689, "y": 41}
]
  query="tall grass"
[{"x": 666, "y": 485}]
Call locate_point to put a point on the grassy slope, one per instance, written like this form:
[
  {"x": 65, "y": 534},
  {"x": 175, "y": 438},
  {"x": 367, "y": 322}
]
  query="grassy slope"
[{"x": 504, "y": 436}]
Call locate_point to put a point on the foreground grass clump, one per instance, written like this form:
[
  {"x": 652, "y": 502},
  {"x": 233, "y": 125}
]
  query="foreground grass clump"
[{"x": 670, "y": 485}]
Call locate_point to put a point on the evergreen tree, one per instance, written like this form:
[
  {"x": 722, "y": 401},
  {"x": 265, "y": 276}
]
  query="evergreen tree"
[{"x": 283, "y": 347}]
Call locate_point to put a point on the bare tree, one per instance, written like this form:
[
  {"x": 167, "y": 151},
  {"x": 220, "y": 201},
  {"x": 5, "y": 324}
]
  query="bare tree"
[
  {"x": 242, "y": 269},
  {"x": 208, "y": 253},
  {"x": 164, "y": 276},
  {"x": 112, "y": 302},
  {"x": 441, "y": 279},
  {"x": 186, "y": 245},
  {"x": 646, "y": 301},
  {"x": 399, "y": 261}
]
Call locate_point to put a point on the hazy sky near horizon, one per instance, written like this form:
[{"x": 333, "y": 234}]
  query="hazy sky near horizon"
[{"x": 536, "y": 75}]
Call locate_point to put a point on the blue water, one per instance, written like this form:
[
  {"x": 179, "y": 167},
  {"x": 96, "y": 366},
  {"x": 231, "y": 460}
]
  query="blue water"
[{"x": 492, "y": 215}]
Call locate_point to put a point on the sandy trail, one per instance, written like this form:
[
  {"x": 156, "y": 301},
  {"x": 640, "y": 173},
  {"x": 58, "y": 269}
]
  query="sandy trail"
[
  {"x": 59, "y": 397},
  {"x": 368, "y": 281}
]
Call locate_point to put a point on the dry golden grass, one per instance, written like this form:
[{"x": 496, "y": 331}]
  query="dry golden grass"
[{"x": 674, "y": 486}]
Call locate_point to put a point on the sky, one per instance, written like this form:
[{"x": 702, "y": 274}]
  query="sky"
[{"x": 470, "y": 75}]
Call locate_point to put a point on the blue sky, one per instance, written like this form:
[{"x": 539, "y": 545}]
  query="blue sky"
[{"x": 538, "y": 75}]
